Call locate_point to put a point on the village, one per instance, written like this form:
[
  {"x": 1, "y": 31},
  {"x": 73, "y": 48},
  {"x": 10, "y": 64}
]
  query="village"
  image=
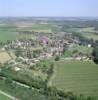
[
  {"x": 28, "y": 52},
  {"x": 48, "y": 59},
  {"x": 48, "y": 50}
]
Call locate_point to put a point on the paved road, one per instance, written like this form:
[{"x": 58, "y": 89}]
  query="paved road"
[{"x": 11, "y": 97}]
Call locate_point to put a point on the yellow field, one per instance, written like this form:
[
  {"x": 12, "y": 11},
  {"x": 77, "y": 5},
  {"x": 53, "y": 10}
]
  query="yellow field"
[
  {"x": 4, "y": 57},
  {"x": 42, "y": 30},
  {"x": 12, "y": 55},
  {"x": 89, "y": 29},
  {"x": 23, "y": 24}
]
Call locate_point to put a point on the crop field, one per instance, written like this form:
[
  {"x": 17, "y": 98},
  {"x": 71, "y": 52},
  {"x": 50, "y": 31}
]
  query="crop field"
[
  {"x": 44, "y": 28},
  {"x": 7, "y": 35},
  {"x": 4, "y": 57},
  {"x": 78, "y": 77},
  {"x": 2, "y": 97},
  {"x": 23, "y": 24},
  {"x": 90, "y": 35},
  {"x": 89, "y": 29},
  {"x": 41, "y": 26},
  {"x": 8, "y": 32}
]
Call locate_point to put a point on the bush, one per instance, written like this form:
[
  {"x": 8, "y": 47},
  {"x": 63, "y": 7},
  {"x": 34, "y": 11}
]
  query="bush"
[{"x": 57, "y": 58}]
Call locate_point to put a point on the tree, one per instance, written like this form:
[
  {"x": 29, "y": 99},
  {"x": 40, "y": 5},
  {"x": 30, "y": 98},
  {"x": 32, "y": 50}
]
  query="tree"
[
  {"x": 95, "y": 52},
  {"x": 65, "y": 48},
  {"x": 57, "y": 58},
  {"x": 8, "y": 81}
]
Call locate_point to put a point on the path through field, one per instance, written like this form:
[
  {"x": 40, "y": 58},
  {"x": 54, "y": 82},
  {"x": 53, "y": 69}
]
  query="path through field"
[{"x": 7, "y": 95}]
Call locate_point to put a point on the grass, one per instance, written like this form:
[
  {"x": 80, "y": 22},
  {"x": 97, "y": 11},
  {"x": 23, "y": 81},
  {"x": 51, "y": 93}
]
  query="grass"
[
  {"x": 37, "y": 48},
  {"x": 75, "y": 50},
  {"x": 89, "y": 29},
  {"x": 8, "y": 31},
  {"x": 4, "y": 57},
  {"x": 82, "y": 49},
  {"x": 7, "y": 35},
  {"x": 90, "y": 35},
  {"x": 35, "y": 73},
  {"x": 48, "y": 28},
  {"x": 41, "y": 26},
  {"x": 2, "y": 97},
  {"x": 78, "y": 77}
]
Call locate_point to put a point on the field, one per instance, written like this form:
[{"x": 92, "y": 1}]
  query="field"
[
  {"x": 8, "y": 31},
  {"x": 2, "y": 97},
  {"x": 4, "y": 57},
  {"x": 7, "y": 35},
  {"x": 75, "y": 50},
  {"x": 89, "y": 33},
  {"x": 86, "y": 32},
  {"x": 37, "y": 27},
  {"x": 46, "y": 28},
  {"x": 78, "y": 77}
]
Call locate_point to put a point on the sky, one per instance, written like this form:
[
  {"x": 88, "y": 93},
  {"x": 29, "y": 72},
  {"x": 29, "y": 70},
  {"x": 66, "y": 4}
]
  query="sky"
[{"x": 66, "y": 8}]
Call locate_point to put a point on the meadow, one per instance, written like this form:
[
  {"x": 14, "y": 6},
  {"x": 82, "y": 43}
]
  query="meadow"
[
  {"x": 75, "y": 50},
  {"x": 76, "y": 76},
  {"x": 47, "y": 28},
  {"x": 89, "y": 33},
  {"x": 9, "y": 31},
  {"x": 12, "y": 35},
  {"x": 7, "y": 35},
  {"x": 2, "y": 97}
]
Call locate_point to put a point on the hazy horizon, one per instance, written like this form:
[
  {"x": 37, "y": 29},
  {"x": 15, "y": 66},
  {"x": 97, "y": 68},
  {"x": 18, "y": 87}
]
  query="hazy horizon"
[{"x": 49, "y": 8}]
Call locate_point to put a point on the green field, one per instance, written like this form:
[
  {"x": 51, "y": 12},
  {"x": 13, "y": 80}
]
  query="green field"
[
  {"x": 75, "y": 50},
  {"x": 41, "y": 26},
  {"x": 2, "y": 97},
  {"x": 7, "y": 35},
  {"x": 90, "y": 35},
  {"x": 46, "y": 27},
  {"x": 78, "y": 77},
  {"x": 8, "y": 32}
]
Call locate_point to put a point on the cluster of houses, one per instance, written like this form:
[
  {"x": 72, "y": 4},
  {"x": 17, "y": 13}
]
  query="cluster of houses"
[{"x": 49, "y": 44}]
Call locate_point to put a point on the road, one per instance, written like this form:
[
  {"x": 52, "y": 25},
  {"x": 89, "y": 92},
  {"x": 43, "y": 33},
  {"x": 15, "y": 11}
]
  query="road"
[{"x": 5, "y": 94}]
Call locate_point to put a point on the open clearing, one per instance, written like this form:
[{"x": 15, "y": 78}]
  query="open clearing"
[
  {"x": 78, "y": 77},
  {"x": 4, "y": 57}
]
